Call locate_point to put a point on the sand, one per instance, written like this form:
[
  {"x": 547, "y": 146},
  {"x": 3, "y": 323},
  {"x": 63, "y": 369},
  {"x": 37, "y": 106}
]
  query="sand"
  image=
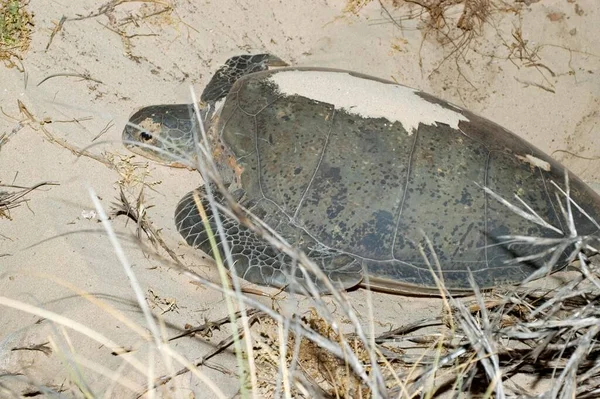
[{"x": 54, "y": 248}]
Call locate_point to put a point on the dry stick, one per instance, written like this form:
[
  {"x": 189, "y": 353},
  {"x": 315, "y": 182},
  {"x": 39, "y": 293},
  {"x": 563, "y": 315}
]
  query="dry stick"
[
  {"x": 212, "y": 324},
  {"x": 127, "y": 37},
  {"x": 223, "y": 344},
  {"x": 595, "y": 158},
  {"x": 56, "y": 29},
  {"x": 391, "y": 335},
  {"x": 538, "y": 85},
  {"x": 219, "y": 368},
  {"x": 84, "y": 76},
  {"x": 537, "y": 64},
  {"x": 104, "y": 130},
  {"x": 105, "y": 8},
  {"x": 63, "y": 143},
  {"x": 12, "y": 200},
  {"x": 44, "y": 348},
  {"x": 138, "y": 215},
  {"x": 130, "y": 19}
]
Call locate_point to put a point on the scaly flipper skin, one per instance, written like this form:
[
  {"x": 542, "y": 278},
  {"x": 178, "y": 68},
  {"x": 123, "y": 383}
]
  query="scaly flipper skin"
[{"x": 254, "y": 259}]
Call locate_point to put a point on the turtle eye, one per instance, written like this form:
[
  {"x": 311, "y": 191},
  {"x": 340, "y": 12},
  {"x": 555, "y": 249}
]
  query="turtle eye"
[{"x": 145, "y": 136}]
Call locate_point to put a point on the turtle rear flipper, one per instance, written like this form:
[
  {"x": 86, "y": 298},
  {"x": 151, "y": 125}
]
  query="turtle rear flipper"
[
  {"x": 235, "y": 68},
  {"x": 257, "y": 261}
]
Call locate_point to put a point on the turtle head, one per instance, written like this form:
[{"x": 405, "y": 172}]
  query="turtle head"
[{"x": 164, "y": 133}]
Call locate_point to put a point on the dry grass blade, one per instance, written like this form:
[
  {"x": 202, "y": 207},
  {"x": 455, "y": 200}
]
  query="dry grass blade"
[
  {"x": 206, "y": 327},
  {"x": 528, "y": 215},
  {"x": 222, "y": 345},
  {"x": 138, "y": 214},
  {"x": 10, "y": 200},
  {"x": 166, "y": 352},
  {"x": 480, "y": 335}
]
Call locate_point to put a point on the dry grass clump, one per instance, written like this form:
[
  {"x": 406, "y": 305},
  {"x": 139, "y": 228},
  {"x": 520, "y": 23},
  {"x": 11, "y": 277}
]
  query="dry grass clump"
[
  {"x": 473, "y": 15},
  {"x": 13, "y": 196},
  {"x": 478, "y": 348},
  {"x": 466, "y": 32},
  {"x": 523, "y": 342},
  {"x": 312, "y": 366},
  {"x": 15, "y": 29},
  {"x": 441, "y": 15},
  {"x": 487, "y": 346}
]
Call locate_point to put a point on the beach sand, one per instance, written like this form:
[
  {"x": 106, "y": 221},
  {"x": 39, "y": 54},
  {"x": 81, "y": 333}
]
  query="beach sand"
[{"x": 53, "y": 248}]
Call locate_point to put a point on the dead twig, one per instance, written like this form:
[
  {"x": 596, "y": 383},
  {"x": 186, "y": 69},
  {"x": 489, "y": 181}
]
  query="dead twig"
[
  {"x": 56, "y": 29},
  {"x": 44, "y": 348},
  {"x": 210, "y": 325},
  {"x": 137, "y": 213},
  {"x": 223, "y": 344},
  {"x": 84, "y": 76},
  {"x": 35, "y": 123},
  {"x": 10, "y": 200}
]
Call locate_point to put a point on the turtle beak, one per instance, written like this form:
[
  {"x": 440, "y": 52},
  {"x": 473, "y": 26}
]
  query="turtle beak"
[{"x": 274, "y": 61}]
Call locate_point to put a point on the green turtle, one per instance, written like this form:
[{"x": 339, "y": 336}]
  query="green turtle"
[{"x": 357, "y": 171}]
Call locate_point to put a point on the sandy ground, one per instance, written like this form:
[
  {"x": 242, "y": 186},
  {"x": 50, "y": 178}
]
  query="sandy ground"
[{"x": 52, "y": 250}]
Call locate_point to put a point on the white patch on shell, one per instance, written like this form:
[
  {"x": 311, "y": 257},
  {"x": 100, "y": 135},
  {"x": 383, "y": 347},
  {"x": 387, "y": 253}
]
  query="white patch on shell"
[
  {"x": 367, "y": 98},
  {"x": 218, "y": 105},
  {"x": 533, "y": 161}
]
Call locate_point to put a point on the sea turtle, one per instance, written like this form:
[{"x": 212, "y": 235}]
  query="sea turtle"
[{"x": 356, "y": 171}]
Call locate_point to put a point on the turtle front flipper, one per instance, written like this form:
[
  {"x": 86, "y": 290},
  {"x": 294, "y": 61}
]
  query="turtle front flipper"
[
  {"x": 235, "y": 68},
  {"x": 254, "y": 259}
]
